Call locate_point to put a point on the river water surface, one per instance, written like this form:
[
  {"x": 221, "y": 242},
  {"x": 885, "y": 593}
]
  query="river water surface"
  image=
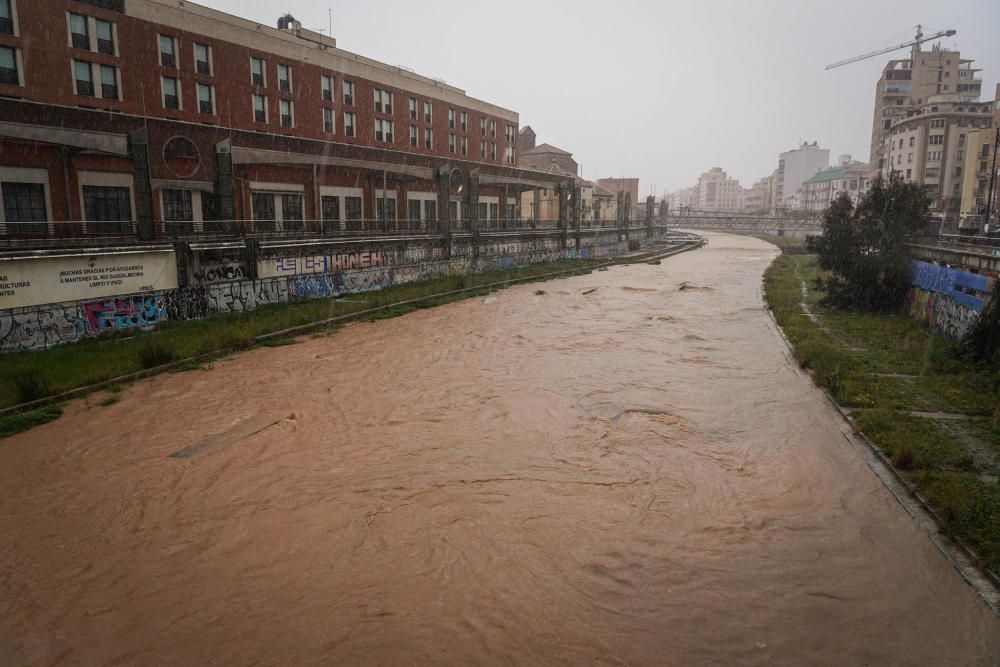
[{"x": 634, "y": 476}]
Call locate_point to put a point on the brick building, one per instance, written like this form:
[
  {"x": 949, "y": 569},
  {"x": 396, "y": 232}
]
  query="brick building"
[{"x": 160, "y": 115}]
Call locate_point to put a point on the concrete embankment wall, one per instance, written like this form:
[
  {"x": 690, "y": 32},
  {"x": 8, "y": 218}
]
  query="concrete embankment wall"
[
  {"x": 68, "y": 297},
  {"x": 948, "y": 299}
]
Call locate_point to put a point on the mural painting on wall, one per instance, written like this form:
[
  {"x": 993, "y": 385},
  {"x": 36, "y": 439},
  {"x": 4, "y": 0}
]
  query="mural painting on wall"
[{"x": 945, "y": 316}]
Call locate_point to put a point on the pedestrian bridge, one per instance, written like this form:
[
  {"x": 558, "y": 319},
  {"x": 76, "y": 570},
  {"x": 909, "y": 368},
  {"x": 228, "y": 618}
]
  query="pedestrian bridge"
[{"x": 742, "y": 222}]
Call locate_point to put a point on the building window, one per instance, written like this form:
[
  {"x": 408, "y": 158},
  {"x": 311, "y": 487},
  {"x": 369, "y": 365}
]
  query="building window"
[
  {"x": 428, "y": 138},
  {"x": 349, "y": 93},
  {"x": 103, "y": 204},
  {"x": 493, "y": 129},
  {"x": 327, "y": 85},
  {"x": 427, "y": 112},
  {"x": 430, "y": 211},
  {"x": 257, "y": 72},
  {"x": 330, "y": 207},
  {"x": 413, "y": 211},
  {"x": 383, "y": 130},
  {"x": 260, "y": 109},
  {"x": 286, "y": 107},
  {"x": 482, "y": 149},
  {"x": 171, "y": 93},
  {"x": 349, "y": 129},
  {"x": 6, "y": 18},
  {"x": 383, "y": 101},
  {"x": 25, "y": 202},
  {"x": 328, "y": 121},
  {"x": 414, "y": 138},
  {"x": 413, "y": 109},
  {"x": 203, "y": 59},
  {"x": 284, "y": 78},
  {"x": 262, "y": 207},
  {"x": 509, "y": 155},
  {"x": 465, "y": 145},
  {"x": 168, "y": 51},
  {"x": 482, "y": 129},
  {"x": 465, "y": 121},
  {"x": 911, "y": 141},
  {"x": 451, "y": 143},
  {"x": 8, "y": 67},
  {"x": 79, "y": 36},
  {"x": 493, "y": 151},
  {"x": 206, "y": 99},
  {"x": 292, "y": 211},
  {"x": 451, "y": 119},
  {"x": 84, "y": 78},
  {"x": 352, "y": 209},
  {"x": 511, "y": 134},
  {"x": 385, "y": 209},
  {"x": 105, "y": 37},
  {"x": 177, "y": 206},
  {"x": 909, "y": 158},
  {"x": 109, "y": 82},
  {"x": 936, "y": 139}
]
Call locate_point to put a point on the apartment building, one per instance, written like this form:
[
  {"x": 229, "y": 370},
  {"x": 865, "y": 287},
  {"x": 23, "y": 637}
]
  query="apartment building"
[
  {"x": 910, "y": 82},
  {"x": 848, "y": 177},
  {"x": 760, "y": 197},
  {"x": 718, "y": 192},
  {"x": 930, "y": 146},
  {"x": 794, "y": 168},
  {"x": 167, "y": 112}
]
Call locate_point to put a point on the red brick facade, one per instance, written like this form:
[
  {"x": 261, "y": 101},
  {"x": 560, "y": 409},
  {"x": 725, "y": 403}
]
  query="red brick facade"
[{"x": 72, "y": 125}]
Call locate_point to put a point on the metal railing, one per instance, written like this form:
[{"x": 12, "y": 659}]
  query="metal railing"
[{"x": 56, "y": 233}]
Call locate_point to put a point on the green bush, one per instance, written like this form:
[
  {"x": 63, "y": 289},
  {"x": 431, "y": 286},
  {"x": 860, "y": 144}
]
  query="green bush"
[
  {"x": 153, "y": 353},
  {"x": 31, "y": 384}
]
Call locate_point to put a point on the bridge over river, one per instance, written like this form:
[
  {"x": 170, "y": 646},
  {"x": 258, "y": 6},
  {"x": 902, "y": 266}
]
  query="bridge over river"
[{"x": 604, "y": 469}]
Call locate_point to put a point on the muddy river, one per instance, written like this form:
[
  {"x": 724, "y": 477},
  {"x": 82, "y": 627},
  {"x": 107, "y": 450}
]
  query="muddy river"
[{"x": 634, "y": 476}]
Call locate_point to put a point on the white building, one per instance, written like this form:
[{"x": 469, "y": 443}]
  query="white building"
[
  {"x": 794, "y": 168},
  {"x": 718, "y": 192},
  {"x": 848, "y": 177}
]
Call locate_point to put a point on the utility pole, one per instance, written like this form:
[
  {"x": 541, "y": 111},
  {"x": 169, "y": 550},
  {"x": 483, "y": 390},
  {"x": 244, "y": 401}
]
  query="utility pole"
[{"x": 993, "y": 178}]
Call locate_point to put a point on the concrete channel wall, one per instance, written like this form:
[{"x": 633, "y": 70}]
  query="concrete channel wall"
[{"x": 214, "y": 278}]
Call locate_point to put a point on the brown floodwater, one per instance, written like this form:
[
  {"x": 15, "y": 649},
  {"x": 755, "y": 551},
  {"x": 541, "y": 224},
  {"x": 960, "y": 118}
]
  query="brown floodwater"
[{"x": 635, "y": 476}]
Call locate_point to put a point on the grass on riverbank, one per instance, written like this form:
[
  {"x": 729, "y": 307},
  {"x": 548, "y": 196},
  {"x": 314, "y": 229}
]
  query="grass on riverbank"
[
  {"x": 887, "y": 368},
  {"x": 27, "y": 376}
]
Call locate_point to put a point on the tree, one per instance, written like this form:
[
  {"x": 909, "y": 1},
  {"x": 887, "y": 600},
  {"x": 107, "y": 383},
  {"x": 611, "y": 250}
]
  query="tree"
[
  {"x": 864, "y": 248},
  {"x": 983, "y": 341}
]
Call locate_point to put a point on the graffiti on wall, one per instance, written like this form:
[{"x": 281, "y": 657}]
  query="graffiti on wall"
[
  {"x": 38, "y": 327},
  {"x": 223, "y": 272},
  {"x": 945, "y": 316}
]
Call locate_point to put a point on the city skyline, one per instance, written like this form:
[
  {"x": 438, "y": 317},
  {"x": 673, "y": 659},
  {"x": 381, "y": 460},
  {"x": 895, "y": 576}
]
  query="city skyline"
[{"x": 738, "y": 92}]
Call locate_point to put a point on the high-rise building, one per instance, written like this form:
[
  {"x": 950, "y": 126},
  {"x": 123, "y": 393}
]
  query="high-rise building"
[
  {"x": 718, "y": 192},
  {"x": 910, "y": 82},
  {"x": 794, "y": 168}
]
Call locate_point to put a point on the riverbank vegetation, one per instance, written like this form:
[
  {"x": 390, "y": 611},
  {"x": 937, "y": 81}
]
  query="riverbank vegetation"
[
  {"x": 932, "y": 410},
  {"x": 32, "y": 375}
]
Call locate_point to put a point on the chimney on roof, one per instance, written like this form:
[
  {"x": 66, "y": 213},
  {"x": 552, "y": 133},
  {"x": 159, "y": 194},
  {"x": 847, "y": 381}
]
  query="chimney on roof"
[{"x": 288, "y": 22}]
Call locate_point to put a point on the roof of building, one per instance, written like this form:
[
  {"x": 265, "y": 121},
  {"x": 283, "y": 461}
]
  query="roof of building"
[
  {"x": 526, "y": 129},
  {"x": 545, "y": 148},
  {"x": 836, "y": 173},
  {"x": 602, "y": 192}
]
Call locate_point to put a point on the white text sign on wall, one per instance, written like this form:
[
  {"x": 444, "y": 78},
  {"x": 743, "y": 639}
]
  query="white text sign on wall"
[{"x": 32, "y": 281}]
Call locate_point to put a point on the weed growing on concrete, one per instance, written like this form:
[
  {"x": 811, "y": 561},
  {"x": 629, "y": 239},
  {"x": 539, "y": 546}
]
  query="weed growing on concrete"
[{"x": 22, "y": 421}]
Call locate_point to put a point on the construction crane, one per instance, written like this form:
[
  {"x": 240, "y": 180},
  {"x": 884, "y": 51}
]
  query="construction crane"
[{"x": 920, "y": 39}]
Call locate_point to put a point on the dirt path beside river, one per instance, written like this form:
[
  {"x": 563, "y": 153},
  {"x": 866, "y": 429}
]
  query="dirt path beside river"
[{"x": 637, "y": 475}]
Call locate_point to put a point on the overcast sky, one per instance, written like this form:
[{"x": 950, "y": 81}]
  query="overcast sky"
[{"x": 659, "y": 90}]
